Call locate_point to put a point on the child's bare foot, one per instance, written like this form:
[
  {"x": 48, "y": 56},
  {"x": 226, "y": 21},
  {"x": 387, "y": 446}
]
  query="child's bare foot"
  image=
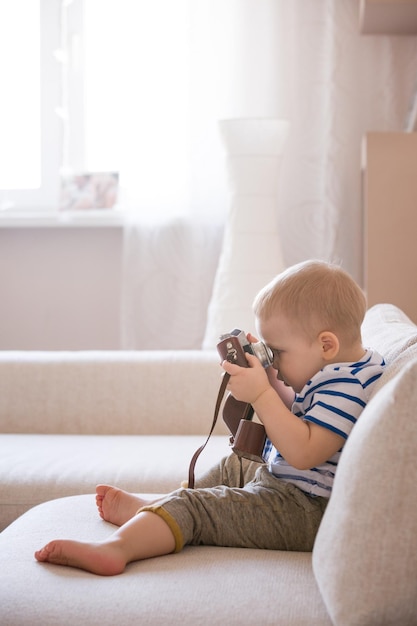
[
  {"x": 106, "y": 559},
  {"x": 115, "y": 505}
]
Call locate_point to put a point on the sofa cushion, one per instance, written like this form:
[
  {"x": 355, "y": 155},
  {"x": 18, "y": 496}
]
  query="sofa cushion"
[
  {"x": 366, "y": 542},
  {"x": 36, "y": 468},
  {"x": 201, "y": 585}
]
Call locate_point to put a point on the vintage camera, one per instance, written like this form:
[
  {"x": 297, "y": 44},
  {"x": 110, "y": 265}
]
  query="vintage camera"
[
  {"x": 248, "y": 437},
  {"x": 233, "y": 345}
]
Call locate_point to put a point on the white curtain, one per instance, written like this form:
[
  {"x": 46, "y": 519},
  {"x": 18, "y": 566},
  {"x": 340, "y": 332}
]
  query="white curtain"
[
  {"x": 300, "y": 60},
  {"x": 169, "y": 269}
]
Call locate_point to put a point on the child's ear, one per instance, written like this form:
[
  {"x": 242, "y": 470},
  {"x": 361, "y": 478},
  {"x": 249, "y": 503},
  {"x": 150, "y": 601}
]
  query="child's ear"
[{"x": 329, "y": 345}]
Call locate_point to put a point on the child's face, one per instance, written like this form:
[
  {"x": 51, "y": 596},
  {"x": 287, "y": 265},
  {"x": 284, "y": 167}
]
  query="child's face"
[{"x": 296, "y": 357}]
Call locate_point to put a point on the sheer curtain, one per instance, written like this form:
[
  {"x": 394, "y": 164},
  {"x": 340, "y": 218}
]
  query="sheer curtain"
[
  {"x": 300, "y": 60},
  {"x": 170, "y": 262}
]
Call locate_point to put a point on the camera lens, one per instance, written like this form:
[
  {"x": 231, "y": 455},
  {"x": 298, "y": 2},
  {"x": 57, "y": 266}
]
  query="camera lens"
[{"x": 263, "y": 353}]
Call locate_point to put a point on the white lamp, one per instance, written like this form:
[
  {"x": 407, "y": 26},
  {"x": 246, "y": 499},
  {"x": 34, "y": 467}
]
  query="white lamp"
[{"x": 251, "y": 253}]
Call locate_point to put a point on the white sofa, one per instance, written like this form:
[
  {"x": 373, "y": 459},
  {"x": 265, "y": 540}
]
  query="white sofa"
[{"x": 70, "y": 420}]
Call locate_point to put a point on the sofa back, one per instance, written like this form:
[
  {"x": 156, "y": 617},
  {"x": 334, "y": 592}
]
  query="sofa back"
[
  {"x": 109, "y": 392},
  {"x": 146, "y": 392}
]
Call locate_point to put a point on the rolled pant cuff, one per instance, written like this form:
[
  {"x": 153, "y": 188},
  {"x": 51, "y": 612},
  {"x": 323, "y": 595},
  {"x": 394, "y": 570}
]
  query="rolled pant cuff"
[{"x": 170, "y": 521}]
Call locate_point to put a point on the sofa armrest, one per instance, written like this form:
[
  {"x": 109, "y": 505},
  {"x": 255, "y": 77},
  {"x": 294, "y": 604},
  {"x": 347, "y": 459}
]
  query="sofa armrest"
[
  {"x": 109, "y": 392},
  {"x": 389, "y": 330}
]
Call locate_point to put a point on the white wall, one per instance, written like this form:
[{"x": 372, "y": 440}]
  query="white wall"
[{"x": 60, "y": 288}]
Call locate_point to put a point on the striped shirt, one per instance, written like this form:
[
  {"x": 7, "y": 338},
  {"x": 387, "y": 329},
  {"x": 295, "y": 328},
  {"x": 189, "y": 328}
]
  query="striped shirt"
[{"x": 334, "y": 398}]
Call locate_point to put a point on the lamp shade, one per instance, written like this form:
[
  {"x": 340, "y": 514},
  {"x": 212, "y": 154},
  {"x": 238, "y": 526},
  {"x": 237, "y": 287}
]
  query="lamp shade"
[{"x": 251, "y": 251}]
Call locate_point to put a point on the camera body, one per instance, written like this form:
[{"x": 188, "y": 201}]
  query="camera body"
[
  {"x": 232, "y": 347},
  {"x": 248, "y": 437}
]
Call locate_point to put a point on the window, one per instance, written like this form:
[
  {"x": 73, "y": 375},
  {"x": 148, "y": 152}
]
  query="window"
[
  {"x": 130, "y": 86},
  {"x": 94, "y": 85},
  {"x": 29, "y": 127},
  {"x": 19, "y": 122},
  {"x": 136, "y": 101}
]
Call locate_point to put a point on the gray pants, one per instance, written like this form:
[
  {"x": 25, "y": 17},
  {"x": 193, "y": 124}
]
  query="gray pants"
[{"x": 266, "y": 513}]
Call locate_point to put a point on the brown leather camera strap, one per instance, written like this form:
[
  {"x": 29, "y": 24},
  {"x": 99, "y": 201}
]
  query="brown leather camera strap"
[{"x": 222, "y": 390}]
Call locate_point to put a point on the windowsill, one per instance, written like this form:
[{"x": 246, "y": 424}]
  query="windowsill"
[{"x": 63, "y": 219}]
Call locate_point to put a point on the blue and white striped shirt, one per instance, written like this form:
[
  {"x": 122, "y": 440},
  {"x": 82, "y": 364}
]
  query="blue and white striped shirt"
[{"x": 334, "y": 398}]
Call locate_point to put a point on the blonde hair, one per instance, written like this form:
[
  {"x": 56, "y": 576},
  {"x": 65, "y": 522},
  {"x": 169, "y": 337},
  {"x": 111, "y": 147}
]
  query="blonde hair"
[{"x": 316, "y": 296}]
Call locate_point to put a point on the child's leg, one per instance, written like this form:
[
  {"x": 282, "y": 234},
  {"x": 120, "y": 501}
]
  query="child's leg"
[
  {"x": 146, "y": 535},
  {"x": 266, "y": 514},
  {"x": 117, "y": 506},
  {"x": 228, "y": 472}
]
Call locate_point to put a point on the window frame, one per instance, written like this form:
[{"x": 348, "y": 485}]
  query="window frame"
[{"x": 46, "y": 197}]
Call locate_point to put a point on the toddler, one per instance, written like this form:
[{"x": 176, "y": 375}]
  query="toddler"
[{"x": 310, "y": 317}]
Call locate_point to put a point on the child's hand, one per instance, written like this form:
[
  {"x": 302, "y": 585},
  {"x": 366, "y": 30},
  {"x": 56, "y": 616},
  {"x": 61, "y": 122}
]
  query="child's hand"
[
  {"x": 251, "y": 338},
  {"x": 247, "y": 383}
]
